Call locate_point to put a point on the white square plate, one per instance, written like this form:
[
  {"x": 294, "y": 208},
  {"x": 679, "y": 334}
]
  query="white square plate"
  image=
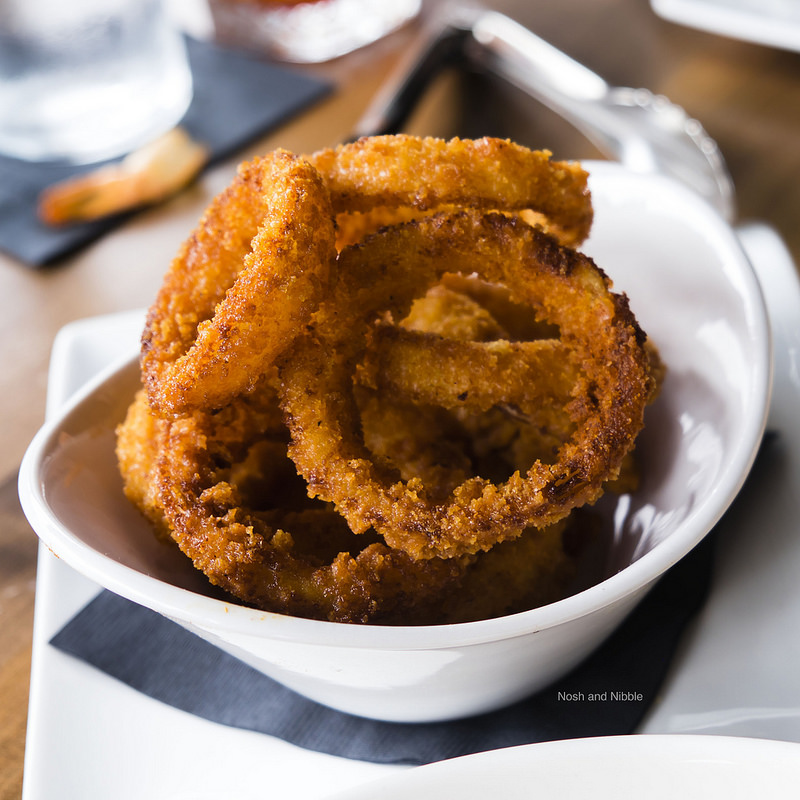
[{"x": 770, "y": 22}]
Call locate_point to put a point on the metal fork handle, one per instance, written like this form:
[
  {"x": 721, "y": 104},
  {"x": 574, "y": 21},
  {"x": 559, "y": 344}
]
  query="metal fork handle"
[
  {"x": 490, "y": 40},
  {"x": 520, "y": 56},
  {"x": 675, "y": 145},
  {"x": 665, "y": 140}
]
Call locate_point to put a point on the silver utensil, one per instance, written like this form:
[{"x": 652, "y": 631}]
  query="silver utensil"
[{"x": 644, "y": 131}]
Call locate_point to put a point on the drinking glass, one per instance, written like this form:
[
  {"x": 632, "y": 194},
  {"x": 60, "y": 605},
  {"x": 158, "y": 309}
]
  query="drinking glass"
[
  {"x": 308, "y": 31},
  {"x": 86, "y": 80}
]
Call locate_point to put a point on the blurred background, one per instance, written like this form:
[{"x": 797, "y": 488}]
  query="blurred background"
[{"x": 745, "y": 92}]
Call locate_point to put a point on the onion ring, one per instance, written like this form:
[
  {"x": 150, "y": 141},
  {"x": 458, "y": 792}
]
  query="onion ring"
[
  {"x": 297, "y": 559},
  {"x": 429, "y": 368},
  {"x": 384, "y": 274},
  {"x": 250, "y": 275},
  {"x": 427, "y": 173},
  {"x": 451, "y": 313}
]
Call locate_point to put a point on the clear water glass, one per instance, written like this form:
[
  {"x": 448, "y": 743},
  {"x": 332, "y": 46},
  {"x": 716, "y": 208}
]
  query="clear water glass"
[
  {"x": 86, "y": 80},
  {"x": 308, "y": 31}
]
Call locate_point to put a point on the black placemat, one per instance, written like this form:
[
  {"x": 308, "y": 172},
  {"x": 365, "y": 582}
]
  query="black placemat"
[
  {"x": 237, "y": 97},
  {"x": 607, "y": 695}
]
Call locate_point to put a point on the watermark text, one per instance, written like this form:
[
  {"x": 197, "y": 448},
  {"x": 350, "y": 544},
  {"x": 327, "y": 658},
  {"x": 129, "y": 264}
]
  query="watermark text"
[{"x": 600, "y": 697}]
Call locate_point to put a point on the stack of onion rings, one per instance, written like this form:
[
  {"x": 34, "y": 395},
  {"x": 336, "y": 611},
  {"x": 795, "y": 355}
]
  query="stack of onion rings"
[
  {"x": 376, "y": 387},
  {"x": 257, "y": 536}
]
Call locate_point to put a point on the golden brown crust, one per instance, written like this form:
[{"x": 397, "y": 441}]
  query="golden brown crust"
[
  {"x": 215, "y": 482},
  {"x": 447, "y": 378},
  {"x": 427, "y": 173},
  {"x": 250, "y": 276},
  {"x": 428, "y": 368},
  {"x": 383, "y": 275}
]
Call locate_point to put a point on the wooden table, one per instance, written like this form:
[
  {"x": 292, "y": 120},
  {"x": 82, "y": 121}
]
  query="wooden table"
[{"x": 747, "y": 96}]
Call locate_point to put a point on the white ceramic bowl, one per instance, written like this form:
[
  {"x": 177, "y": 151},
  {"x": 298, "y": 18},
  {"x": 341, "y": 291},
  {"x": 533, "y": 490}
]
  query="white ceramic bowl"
[{"x": 694, "y": 292}]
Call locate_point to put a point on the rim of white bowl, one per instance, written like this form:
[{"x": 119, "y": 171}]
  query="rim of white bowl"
[{"x": 212, "y": 614}]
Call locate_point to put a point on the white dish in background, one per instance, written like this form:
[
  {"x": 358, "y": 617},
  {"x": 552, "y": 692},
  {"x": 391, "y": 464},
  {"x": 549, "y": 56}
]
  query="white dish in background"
[
  {"x": 692, "y": 289},
  {"x": 609, "y": 768},
  {"x": 775, "y": 23}
]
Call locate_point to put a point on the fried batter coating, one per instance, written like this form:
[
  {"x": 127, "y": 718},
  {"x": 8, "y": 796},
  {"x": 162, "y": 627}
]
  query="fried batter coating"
[
  {"x": 140, "y": 440},
  {"x": 431, "y": 369},
  {"x": 384, "y": 274},
  {"x": 247, "y": 279},
  {"x": 376, "y": 383},
  {"x": 222, "y": 486},
  {"x": 426, "y": 174},
  {"x": 454, "y": 315}
]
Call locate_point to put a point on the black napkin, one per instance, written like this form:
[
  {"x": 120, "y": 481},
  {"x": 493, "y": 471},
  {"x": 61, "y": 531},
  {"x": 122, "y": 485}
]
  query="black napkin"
[
  {"x": 607, "y": 695},
  {"x": 237, "y": 97}
]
